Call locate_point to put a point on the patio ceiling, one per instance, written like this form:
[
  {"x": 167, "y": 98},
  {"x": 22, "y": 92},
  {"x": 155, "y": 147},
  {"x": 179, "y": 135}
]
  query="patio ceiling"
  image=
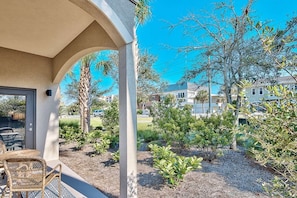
[{"x": 41, "y": 27}]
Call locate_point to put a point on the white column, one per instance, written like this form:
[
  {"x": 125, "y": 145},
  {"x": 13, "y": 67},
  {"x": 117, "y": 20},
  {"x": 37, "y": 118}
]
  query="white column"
[{"x": 128, "y": 121}]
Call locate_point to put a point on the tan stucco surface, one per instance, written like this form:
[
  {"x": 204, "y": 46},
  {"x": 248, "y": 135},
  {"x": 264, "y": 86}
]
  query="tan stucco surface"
[
  {"x": 40, "y": 27},
  {"x": 23, "y": 70}
]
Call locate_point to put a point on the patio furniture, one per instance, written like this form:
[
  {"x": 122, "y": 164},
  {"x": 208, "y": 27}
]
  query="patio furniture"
[
  {"x": 4, "y": 154},
  {"x": 9, "y": 139},
  {"x": 6, "y": 129},
  {"x": 25, "y": 174},
  {"x": 20, "y": 153}
]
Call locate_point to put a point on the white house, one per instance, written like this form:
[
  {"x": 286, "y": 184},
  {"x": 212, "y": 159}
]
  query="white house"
[
  {"x": 258, "y": 92},
  {"x": 185, "y": 93}
]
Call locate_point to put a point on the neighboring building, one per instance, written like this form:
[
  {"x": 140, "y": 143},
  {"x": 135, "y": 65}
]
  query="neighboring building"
[
  {"x": 218, "y": 103},
  {"x": 258, "y": 92},
  {"x": 185, "y": 93},
  {"x": 109, "y": 98}
]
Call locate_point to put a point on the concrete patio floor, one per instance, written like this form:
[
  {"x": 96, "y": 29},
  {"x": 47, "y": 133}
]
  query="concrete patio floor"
[{"x": 76, "y": 184}]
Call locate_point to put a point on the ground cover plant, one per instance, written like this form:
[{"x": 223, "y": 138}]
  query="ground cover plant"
[{"x": 171, "y": 166}]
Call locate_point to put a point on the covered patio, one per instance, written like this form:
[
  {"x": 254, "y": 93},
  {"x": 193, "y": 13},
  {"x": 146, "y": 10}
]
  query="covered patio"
[{"x": 40, "y": 40}]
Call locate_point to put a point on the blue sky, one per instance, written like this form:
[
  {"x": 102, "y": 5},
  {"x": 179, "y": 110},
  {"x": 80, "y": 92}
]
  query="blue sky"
[{"x": 155, "y": 34}]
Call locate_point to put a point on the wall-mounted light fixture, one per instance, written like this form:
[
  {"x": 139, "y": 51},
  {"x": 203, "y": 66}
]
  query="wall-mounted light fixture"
[{"x": 48, "y": 92}]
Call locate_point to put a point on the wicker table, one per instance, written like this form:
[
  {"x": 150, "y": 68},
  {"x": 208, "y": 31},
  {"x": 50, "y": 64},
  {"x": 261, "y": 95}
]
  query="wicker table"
[{"x": 20, "y": 153}]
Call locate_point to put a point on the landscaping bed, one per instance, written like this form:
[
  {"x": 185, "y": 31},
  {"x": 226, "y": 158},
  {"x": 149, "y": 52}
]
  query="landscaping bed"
[{"x": 232, "y": 175}]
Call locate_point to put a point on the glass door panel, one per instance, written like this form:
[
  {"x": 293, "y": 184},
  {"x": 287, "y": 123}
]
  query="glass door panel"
[{"x": 13, "y": 121}]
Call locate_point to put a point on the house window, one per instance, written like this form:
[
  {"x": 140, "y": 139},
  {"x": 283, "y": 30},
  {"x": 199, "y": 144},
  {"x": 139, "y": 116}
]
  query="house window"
[
  {"x": 253, "y": 91},
  {"x": 261, "y": 90}
]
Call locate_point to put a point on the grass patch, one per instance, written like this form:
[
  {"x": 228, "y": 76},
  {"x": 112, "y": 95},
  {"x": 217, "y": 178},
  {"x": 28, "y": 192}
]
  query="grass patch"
[
  {"x": 143, "y": 123},
  {"x": 95, "y": 121},
  {"x": 141, "y": 119}
]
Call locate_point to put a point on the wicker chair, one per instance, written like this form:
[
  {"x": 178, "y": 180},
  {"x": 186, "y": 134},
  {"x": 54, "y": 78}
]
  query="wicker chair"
[{"x": 29, "y": 174}]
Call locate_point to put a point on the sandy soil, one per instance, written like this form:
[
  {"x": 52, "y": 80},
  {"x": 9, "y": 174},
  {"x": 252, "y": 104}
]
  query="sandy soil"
[{"x": 231, "y": 176}]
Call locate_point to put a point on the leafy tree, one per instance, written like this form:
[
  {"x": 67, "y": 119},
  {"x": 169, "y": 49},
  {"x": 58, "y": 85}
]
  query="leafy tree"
[
  {"x": 148, "y": 81},
  {"x": 73, "y": 109},
  {"x": 231, "y": 49},
  {"x": 99, "y": 104},
  {"x": 201, "y": 96},
  {"x": 274, "y": 137},
  {"x": 15, "y": 104},
  {"x": 280, "y": 44}
]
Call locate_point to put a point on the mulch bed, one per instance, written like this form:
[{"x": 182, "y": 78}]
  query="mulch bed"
[{"x": 231, "y": 176}]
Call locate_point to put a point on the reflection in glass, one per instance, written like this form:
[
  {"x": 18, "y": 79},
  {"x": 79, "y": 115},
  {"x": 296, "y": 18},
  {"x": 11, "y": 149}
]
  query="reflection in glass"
[{"x": 12, "y": 120}]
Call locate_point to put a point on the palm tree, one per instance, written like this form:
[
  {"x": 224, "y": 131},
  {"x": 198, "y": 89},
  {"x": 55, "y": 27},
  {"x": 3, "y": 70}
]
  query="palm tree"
[
  {"x": 142, "y": 12},
  {"x": 201, "y": 96},
  {"x": 85, "y": 88}
]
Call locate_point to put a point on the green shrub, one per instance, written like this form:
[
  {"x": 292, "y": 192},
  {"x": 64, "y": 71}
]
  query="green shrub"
[
  {"x": 275, "y": 141},
  {"x": 171, "y": 166},
  {"x": 116, "y": 156},
  {"x": 102, "y": 146},
  {"x": 69, "y": 130},
  {"x": 110, "y": 120},
  {"x": 212, "y": 133},
  {"x": 172, "y": 121},
  {"x": 148, "y": 135},
  {"x": 102, "y": 140}
]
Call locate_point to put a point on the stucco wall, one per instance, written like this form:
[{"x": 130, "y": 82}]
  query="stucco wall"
[
  {"x": 30, "y": 71},
  {"x": 125, "y": 10},
  {"x": 94, "y": 38}
]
